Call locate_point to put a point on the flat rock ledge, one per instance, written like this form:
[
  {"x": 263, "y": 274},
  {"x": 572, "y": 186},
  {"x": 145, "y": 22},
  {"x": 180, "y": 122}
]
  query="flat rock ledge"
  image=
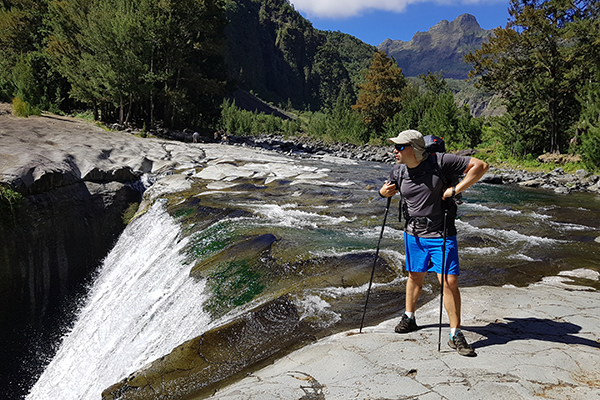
[{"x": 535, "y": 342}]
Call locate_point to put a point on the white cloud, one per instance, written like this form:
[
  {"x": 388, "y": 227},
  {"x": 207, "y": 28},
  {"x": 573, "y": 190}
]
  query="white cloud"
[
  {"x": 346, "y": 8},
  {"x": 351, "y": 8}
]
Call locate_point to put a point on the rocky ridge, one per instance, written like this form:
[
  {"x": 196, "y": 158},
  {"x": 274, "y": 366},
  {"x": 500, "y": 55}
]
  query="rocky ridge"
[{"x": 441, "y": 48}]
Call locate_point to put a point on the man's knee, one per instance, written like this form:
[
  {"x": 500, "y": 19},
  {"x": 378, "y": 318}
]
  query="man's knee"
[{"x": 416, "y": 278}]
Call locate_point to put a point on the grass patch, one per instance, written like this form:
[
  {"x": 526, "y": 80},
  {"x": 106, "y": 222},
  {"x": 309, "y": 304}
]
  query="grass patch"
[
  {"x": 87, "y": 115},
  {"x": 490, "y": 154}
]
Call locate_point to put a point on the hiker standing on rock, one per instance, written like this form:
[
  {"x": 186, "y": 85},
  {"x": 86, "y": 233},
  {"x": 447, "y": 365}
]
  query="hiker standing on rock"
[{"x": 426, "y": 201}]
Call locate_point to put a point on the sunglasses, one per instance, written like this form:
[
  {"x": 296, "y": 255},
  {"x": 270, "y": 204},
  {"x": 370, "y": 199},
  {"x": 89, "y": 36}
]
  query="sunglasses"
[{"x": 401, "y": 147}]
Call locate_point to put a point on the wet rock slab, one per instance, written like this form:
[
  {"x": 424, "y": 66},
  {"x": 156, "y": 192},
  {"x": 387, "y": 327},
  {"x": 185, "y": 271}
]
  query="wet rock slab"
[
  {"x": 215, "y": 355},
  {"x": 536, "y": 342}
]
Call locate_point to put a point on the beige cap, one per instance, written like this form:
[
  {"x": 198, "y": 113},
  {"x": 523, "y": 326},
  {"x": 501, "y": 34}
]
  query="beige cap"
[{"x": 415, "y": 139}]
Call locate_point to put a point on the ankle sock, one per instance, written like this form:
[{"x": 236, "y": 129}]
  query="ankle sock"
[
  {"x": 409, "y": 314},
  {"x": 453, "y": 332}
]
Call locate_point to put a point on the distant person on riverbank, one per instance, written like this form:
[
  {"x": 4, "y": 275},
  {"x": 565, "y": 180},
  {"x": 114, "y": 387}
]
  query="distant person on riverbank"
[
  {"x": 195, "y": 137},
  {"x": 426, "y": 202}
]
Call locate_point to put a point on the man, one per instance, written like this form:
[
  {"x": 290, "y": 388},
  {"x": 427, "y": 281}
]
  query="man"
[{"x": 425, "y": 199}]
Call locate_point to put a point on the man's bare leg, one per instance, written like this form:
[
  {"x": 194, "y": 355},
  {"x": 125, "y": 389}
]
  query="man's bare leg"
[{"x": 414, "y": 284}]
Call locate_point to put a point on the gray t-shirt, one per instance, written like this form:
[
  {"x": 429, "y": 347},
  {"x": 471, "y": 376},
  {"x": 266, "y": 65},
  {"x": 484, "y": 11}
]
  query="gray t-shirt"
[{"x": 422, "y": 190}]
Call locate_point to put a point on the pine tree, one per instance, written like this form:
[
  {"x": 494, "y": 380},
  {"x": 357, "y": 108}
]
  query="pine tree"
[
  {"x": 586, "y": 30},
  {"x": 380, "y": 96},
  {"x": 530, "y": 64}
]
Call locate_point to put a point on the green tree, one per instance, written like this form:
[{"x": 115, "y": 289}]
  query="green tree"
[
  {"x": 330, "y": 77},
  {"x": 345, "y": 125},
  {"x": 589, "y": 126},
  {"x": 431, "y": 109},
  {"x": 380, "y": 96},
  {"x": 19, "y": 20},
  {"x": 585, "y": 30},
  {"x": 434, "y": 83},
  {"x": 531, "y": 64},
  {"x": 25, "y": 70},
  {"x": 159, "y": 59}
]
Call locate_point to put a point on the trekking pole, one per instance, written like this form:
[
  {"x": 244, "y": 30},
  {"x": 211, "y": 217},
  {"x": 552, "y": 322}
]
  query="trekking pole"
[
  {"x": 387, "y": 208},
  {"x": 443, "y": 278}
]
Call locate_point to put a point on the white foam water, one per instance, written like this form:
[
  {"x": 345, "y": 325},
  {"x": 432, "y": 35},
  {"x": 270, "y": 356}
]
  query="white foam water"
[
  {"x": 142, "y": 304},
  {"x": 510, "y": 236},
  {"x": 288, "y": 216},
  {"x": 513, "y": 213}
]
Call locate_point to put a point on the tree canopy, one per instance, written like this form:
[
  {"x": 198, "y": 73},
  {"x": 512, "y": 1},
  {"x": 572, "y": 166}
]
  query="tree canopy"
[
  {"x": 540, "y": 63},
  {"x": 132, "y": 60},
  {"x": 151, "y": 59},
  {"x": 380, "y": 95}
]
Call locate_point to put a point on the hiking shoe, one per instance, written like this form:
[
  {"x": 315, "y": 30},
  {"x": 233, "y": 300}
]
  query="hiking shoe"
[
  {"x": 459, "y": 343},
  {"x": 406, "y": 325}
]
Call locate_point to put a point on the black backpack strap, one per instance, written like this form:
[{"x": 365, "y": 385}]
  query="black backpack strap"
[
  {"x": 400, "y": 171},
  {"x": 433, "y": 161}
]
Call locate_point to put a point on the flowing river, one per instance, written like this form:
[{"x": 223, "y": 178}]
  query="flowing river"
[{"x": 326, "y": 216}]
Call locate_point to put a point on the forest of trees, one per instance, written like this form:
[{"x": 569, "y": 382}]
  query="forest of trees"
[
  {"x": 130, "y": 60},
  {"x": 546, "y": 65},
  {"x": 174, "y": 63}
]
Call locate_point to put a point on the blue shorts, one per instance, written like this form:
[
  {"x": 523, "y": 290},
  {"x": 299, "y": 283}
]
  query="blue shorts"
[{"x": 425, "y": 254}]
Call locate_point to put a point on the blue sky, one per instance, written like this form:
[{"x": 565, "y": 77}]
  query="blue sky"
[{"x": 373, "y": 21}]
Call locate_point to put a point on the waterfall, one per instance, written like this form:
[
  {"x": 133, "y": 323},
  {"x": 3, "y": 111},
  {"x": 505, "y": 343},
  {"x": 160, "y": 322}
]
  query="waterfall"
[{"x": 142, "y": 304}]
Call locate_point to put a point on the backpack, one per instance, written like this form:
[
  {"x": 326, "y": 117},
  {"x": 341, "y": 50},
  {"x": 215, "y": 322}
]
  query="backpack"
[{"x": 433, "y": 145}]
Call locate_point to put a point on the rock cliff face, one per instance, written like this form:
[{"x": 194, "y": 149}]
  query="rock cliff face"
[
  {"x": 440, "y": 48},
  {"x": 75, "y": 180}
]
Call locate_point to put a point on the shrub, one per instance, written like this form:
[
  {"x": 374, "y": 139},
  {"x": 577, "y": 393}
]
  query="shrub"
[
  {"x": 22, "y": 109},
  {"x": 10, "y": 200}
]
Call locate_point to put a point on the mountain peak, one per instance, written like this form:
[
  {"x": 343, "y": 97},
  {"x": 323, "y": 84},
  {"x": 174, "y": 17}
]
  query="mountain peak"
[
  {"x": 441, "y": 48},
  {"x": 467, "y": 21},
  {"x": 462, "y": 23}
]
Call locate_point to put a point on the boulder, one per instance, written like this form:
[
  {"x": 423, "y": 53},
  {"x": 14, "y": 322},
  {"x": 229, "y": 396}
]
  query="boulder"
[
  {"x": 550, "y": 158},
  {"x": 492, "y": 179},
  {"x": 530, "y": 183}
]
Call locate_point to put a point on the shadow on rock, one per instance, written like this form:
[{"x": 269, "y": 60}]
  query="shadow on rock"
[{"x": 502, "y": 332}]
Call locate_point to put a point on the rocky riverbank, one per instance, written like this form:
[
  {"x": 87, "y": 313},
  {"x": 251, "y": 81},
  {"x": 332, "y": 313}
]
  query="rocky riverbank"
[{"x": 557, "y": 180}]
